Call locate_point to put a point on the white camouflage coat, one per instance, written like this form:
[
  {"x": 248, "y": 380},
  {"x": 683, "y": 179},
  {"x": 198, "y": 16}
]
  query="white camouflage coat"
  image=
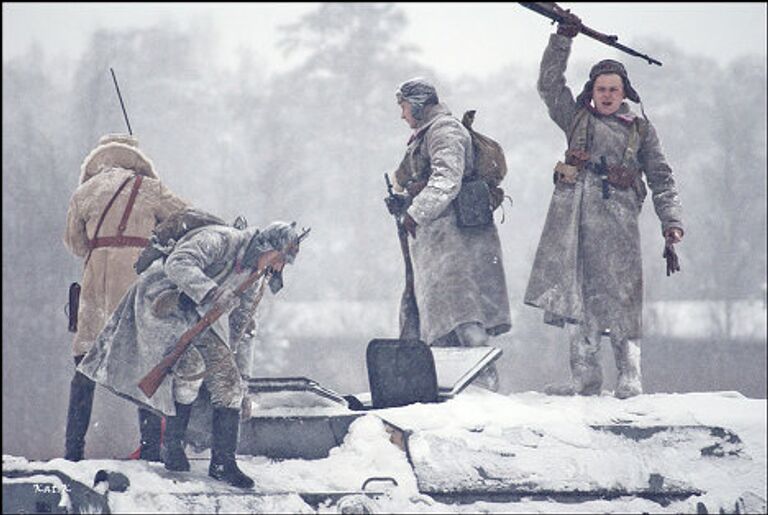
[
  {"x": 458, "y": 272},
  {"x": 588, "y": 266},
  {"x": 139, "y": 333}
]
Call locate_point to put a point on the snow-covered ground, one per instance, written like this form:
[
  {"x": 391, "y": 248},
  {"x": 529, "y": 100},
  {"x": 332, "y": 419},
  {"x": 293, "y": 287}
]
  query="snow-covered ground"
[{"x": 525, "y": 440}]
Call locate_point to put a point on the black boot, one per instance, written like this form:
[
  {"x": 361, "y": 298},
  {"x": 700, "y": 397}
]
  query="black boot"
[
  {"x": 175, "y": 433},
  {"x": 79, "y": 414},
  {"x": 226, "y": 424},
  {"x": 149, "y": 427}
]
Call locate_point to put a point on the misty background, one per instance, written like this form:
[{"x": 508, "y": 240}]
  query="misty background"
[{"x": 311, "y": 143}]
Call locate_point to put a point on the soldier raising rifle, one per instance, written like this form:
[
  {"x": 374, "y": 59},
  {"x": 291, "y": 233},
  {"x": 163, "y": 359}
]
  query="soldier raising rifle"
[{"x": 588, "y": 268}]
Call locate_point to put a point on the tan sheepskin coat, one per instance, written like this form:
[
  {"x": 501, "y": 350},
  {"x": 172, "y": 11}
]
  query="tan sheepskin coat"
[{"x": 109, "y": 272}]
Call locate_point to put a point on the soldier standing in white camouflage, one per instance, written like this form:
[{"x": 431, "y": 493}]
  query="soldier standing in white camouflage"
[
  {"x": 588, "y": 267},
  {"x": 459, "y": 282}
]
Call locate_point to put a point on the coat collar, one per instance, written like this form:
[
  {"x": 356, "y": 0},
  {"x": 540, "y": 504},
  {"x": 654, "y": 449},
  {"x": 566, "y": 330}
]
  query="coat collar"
[
  {"x": 431, "y": 114},
  {"x": 116, "y": 155}
]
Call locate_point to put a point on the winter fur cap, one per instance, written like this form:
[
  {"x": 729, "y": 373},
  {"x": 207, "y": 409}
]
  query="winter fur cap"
[
  {"x": 276, "y": 236},
  {"x": 418, "y": 92},
  {"x": 604, "y": 67},
  {"x": 116, "y": 151}
]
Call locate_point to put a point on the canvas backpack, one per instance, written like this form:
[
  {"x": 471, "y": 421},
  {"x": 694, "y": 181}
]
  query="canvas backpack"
[
  {"x": 489, "y": 162},
  {"x": 174, "y": 228}
]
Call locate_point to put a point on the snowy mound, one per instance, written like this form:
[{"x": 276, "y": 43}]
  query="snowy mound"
[{"x": 479, "y": 452}]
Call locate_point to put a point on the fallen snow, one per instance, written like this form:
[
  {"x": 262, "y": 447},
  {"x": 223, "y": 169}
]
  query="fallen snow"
[{"x": 476, "y": 421}]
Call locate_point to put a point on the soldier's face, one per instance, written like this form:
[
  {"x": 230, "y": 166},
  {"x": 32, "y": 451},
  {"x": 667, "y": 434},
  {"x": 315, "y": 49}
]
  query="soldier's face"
[
  {"x": 607, "y": 93},
  {"x": 407, "y": 114}
]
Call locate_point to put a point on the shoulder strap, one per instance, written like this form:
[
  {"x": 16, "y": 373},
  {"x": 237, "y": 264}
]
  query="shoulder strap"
[
  {"x": 107, "y": 208},
  {"x": 579, "y": 119},
  {"x": 129, "y": 206},
  {"x": 633, "y": 142}
]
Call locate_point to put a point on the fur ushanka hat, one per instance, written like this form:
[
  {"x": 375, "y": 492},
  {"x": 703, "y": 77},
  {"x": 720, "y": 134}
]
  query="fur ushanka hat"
[{"x": 604, "y": 67}]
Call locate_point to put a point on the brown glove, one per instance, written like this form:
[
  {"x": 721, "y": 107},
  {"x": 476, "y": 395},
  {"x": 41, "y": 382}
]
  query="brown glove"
[
  {"x": 570, "y": 26},
  {"x": 673, "y": 264},
  {"x": 671, "y": 236}
]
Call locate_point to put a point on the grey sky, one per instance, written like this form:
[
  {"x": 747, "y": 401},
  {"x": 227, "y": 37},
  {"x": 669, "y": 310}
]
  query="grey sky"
[{"x": 455, "y": 38}]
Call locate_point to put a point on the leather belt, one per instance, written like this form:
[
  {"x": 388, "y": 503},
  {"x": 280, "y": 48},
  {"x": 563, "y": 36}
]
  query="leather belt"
[{"x": 118, "y": 241}]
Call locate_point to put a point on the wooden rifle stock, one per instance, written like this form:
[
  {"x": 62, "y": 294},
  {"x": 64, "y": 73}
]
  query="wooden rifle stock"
[{"x": 151, "y": 382}]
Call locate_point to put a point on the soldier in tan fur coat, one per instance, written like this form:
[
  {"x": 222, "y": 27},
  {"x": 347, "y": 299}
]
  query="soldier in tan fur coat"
[{"x": 109, "y": 235}]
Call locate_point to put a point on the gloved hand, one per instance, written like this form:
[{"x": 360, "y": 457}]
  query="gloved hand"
[
  {"x": 396, "y": 204},
  {"x": 410, "y": 225},
  {"x": 671, "y": 236},
  {"x": 570, "y": 26},
  {"x": 225, "y": 297},
  {"x": 673, "y": 263}
]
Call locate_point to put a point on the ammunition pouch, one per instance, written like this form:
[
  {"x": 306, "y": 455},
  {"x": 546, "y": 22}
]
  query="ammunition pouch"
[
  {"x": 576, "y": 157},
  {"x": 473, "y": 204},
  {"x": 621, "y": 177},
  {"x": 565, "y": 173}
]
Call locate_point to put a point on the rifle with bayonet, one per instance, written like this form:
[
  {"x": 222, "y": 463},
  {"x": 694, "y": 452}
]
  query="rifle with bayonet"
[
  {"x": 151, "y": 382},
  {"x": 557, "y": 14}
]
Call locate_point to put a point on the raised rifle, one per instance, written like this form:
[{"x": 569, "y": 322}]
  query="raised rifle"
[
  {"x": 151, "y": 382},
  {"x": 557, "y": 14},
  {"x": 409, "y": 311}
]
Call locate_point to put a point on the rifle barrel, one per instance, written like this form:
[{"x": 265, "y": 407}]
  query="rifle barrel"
[
  {"x": 545, "y": 9},
  {"x": 122, "y": 105}
]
